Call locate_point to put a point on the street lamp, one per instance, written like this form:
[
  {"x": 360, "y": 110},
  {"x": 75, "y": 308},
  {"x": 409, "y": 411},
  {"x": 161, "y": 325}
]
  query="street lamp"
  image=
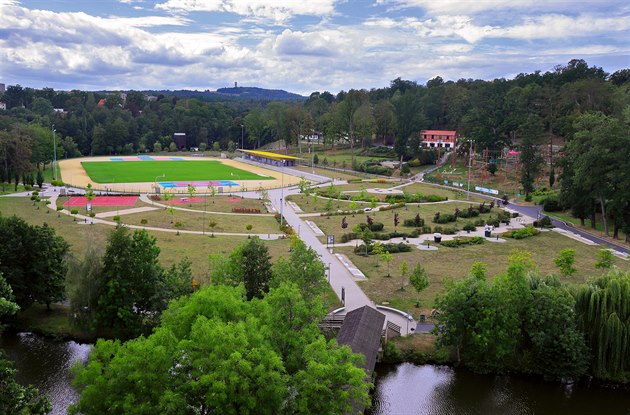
[
  {"x": 469, "y": 162},
  {"x": 242, "y": 140},
  {"x": 54, "y": 153},
  {"x": 282, "y": 195}
]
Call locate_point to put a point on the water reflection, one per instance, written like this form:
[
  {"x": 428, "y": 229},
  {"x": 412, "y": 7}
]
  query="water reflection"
[
  {"x": 408, "y": 389},
  {"x": 45, "y": 364}
]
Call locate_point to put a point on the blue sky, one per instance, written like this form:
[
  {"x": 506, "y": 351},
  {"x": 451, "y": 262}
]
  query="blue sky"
[{"x": 300, "y": 45}]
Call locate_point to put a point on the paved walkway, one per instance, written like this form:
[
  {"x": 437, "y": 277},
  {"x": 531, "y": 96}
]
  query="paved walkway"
[
  {"x": 125, "y": 212},
  {"x": 341, "y": 279}
]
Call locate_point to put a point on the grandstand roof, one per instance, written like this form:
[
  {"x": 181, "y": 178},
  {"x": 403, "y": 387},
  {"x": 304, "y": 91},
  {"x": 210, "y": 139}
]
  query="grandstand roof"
[{"x": 269, "y": 155}]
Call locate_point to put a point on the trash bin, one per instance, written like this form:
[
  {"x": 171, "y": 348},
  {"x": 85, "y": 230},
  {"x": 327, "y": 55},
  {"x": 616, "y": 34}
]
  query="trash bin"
[
  {"x": 488, "y": 231},
  {"x": 488, "y": 234},
  {"x": 437, "y": 237}
]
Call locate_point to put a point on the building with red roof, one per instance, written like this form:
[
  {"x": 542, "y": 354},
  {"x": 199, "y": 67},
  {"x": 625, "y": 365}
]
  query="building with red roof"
[{"x": 438, "y": 138}]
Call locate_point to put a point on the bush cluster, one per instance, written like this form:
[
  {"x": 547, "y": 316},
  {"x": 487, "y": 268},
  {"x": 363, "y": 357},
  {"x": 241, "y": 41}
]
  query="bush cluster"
[
  {"x": 389, "y": 247},
  {"x": 245, "y": 210},
  {"x": 521, "y": 233},
  {"x": 390, "y": 207},
  {"x": 414, "y": 198},
  {"x": 462, "y": 241},
  {"x": 446, "y": 230}
]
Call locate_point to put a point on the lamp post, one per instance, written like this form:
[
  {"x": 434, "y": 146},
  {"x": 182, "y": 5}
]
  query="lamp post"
[
  {"x": 242, "y": 140},
  {"x": 155, "y": 182},
  {"x": 282, "y": 196},
  {"x": 469, "y": 162},
  {"x": 54, "y": 153}
]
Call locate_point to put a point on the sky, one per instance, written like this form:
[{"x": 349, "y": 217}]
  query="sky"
[{"x": 300, "y": 45}]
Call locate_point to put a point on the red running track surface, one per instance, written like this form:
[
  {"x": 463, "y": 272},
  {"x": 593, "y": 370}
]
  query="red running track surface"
[{"x": 103, "y": 201}]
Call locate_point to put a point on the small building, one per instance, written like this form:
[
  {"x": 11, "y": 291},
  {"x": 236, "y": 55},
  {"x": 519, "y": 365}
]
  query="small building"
[
  {"x": 438, "y": 138},
  {"x": 180, "y": 140},
  {"x": 3, "y": 106},
  {"x": 266, "y": 157}
]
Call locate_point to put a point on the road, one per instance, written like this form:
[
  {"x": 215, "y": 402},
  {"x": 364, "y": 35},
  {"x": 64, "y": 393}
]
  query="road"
[{"x": 533, "y": 211}]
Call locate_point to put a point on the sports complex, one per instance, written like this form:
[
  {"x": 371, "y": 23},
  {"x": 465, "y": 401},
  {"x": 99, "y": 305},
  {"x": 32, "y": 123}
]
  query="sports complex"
[{"x": 147, "y": 174}]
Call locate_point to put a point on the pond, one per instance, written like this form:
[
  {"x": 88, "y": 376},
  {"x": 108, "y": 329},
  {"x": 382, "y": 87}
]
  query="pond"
[
  {"x": 408, "y": 389},
  {"x": 46, "y": 365}
]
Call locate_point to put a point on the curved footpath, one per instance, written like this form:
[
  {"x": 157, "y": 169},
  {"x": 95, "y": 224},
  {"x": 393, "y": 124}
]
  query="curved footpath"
[{"x": 340, "y": 277}]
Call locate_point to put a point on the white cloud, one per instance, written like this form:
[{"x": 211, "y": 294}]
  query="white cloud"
[
  {"x": 276, "y": 11},
  {"x": 299, "y": 43},
  {"x": 493, "y": 6}
]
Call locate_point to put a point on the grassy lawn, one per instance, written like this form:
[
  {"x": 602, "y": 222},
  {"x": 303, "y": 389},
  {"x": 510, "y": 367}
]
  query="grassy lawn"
[
  {"x": 173, "y": 247},
  {"x": 456, "y": 262},
  {"x": 146, "y": 171},
  {"x": 194, "y": 221},
  {"x": 328, "y": 173},
  {"x": 427, "y": 189},
  {"x": 331, "y": 225}
]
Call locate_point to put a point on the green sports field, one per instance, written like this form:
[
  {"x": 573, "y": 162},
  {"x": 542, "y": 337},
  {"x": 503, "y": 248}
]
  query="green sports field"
[{"x": 180, "y": 170}]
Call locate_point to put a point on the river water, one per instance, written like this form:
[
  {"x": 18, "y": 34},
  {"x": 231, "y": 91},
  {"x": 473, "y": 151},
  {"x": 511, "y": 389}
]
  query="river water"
[
  {"x": 408, "y": 389},
  {"x": 403, "y": 389},
  {"x": 46, "y": 365}
]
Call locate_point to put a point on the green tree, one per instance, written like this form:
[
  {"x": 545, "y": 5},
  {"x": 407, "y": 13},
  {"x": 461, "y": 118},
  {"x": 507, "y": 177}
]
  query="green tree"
[
  {"x": 40, "y": 179},
  {"x": 419, "y": 279},
  {"x": 18, "y": 399},
  {"x": 311, "y": 277},
  {"x": 565, "y": 261},
  {"x": 85, "y": 281},
  {"x": 604, "y": 316},
  {"x": 191, "y": 192},
  {"x": 605, "y": 259},
  {"x": 216, "y": 352},
  {"x": 7, "y": 305},
  {"x": 387, "y": 257},
  {"x": 32, "y": 259},
  {"x": 249, "y": 265},
  {"x": 133, "y": 290},
  {"x": 531, "y": 132},
  {"x": 404, "y": 271}
]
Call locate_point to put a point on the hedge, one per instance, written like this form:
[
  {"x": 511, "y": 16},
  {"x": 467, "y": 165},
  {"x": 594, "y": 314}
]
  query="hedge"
[
  {"x": 521, "y": 233},
  {"x": 462, "y": 241},
  {"x": 389, "y": 247}
]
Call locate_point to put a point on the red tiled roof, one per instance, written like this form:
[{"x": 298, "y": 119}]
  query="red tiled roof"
[
  {"x": 101, "y": 102},
  {"x": 438, "y": 132}
]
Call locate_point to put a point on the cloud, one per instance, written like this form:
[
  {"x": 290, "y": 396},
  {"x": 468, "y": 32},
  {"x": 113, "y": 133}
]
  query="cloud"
[
  {"x": 277, "y": 11},
  {"x": 299, "y": 43},
  {"x": 458, "y": 7}
]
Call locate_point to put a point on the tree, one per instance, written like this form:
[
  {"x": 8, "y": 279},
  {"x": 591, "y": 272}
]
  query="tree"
[
  {"x": 396, "y": 220},
  {"x": 18, "y": 399},
  {"x": 32, "y": 259},
  {"x": 215, "y": 352},
  {"x": 492, "y": 168},
  {"x": 249, "y": 229},
  {"x": 404, "y": 270},
  {"x": 387, "y": 257},
  {"x": 89, "y": 194},
  {"x": 212, "y": 224},
  {"x": 603, "y": 315},
  {"x": 134, "y": 289},
  {"x": 419, "y": 279},
  {"x": 531, "y": 132},
  {"x": 191, "y": 192},
  {"x": 7, "y": 305},
  {"x": 40, "y": 179},
  {"x": 565, "y": 261},
  {"x": 304, "y": 269},
  {"x": 168, "y": 196},
  {"x": 344, "y": 223},
  {"x": 604, "y": 259},
  {"x": 85, "y": 281}
]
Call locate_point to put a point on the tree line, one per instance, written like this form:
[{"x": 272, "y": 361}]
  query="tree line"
[{"x": 523, "y": 322}]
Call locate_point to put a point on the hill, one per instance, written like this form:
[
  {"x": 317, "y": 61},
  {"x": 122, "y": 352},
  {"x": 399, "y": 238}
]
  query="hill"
[{"x": 233, "y": 94}]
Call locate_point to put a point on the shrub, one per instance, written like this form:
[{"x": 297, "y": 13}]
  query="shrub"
[
  {"x": 389, "y": 247},
  {"x": 521, "y": 233},
  {"x": 480, "y": 222},
  {"x": 463, "y": 240},
  {"x": 390, "y": 207},
  {"x": 56, "y": 182},
  {"x": 245, "y": 210},
  {"x": 413, "y": 223},
  {"x": 444, "y": 218},
  {"x": 59, "y": 208},
  {"x": 144, "y": 221},
  {"x": 76, "y": 211},
  {"x": 347, "y": 237},
  {"x": 376, "y": 227},
  {"x": 28, "y": 187},
  {"x": 92, "y": 214},
  {"x": 116, "y": 218},
  {"x": 515, "y": 214},
  {"x": 545, "y": 222},
  {"x": 551, "y": 204},
  {"x": 469, "y": 227}
]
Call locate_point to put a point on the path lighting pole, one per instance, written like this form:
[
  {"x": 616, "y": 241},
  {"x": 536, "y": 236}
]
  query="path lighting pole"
[
  {"x": 54, "y": 153},
  {"x": 469, "y": 162},
  {"x": 282, "y": 196},
  {"x": 242, "y": 140}
]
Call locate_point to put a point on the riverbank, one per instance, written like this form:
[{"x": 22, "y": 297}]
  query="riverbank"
[{"x": 52, "y": 324}]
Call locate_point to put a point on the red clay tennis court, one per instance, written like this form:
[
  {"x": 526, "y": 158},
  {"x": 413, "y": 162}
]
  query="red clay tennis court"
[{"x": 103, "y": 201}]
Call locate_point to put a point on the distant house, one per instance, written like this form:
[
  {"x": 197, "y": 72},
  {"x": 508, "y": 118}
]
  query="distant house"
[
  {"x": 3, "y": 106},
  {"x": 180, "y": 140},
  {"x": 61, "y": 112},
  {"x": 438, "y": 138},
  {"x": 101, "y": 102}
]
